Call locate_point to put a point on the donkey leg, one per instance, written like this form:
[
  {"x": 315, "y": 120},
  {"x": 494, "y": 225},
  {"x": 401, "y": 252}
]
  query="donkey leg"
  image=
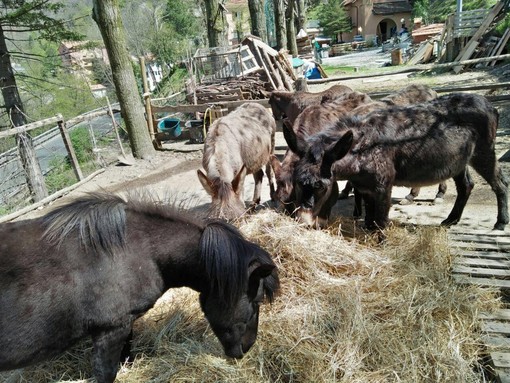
[
  {"x": 358, "y": 204},
  {"x": 382, "y": 205},
  {"x": 441, "y": 190},
  {"x": 487, "y": 166},
  {"x": 464, "y": 185},
  {"x": 344, "y": 194},
  {"x": 107, "y": 349},
  {"x": 409, "y": 199},
  {"x": 258, "y": 176},
  {"x": 270, "y": 177}
]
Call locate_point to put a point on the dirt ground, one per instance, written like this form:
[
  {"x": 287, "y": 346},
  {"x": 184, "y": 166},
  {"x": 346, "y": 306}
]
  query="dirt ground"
[{"x": 171, "y": 173}]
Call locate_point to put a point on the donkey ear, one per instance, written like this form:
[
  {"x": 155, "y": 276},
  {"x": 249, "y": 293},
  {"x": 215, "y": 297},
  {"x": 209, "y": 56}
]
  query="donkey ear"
[
  {"x": 237, "y": 181},
  {"x": 208, "y": 186},
  {"x": 338, "y": 150},
  {"x": 295, "y": 144}
]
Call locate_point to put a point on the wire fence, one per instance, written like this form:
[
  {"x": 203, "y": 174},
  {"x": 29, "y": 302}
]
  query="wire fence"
[{"x": 96, "y": 129}]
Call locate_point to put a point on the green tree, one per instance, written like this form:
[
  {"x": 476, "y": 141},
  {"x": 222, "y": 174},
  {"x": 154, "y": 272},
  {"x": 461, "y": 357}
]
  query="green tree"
[
  {"x": 333, "y": 19},
  {"x": 106, "y": 14},
  {"x": 19, "y": 18},
  {"x": 436, "y": 11}
]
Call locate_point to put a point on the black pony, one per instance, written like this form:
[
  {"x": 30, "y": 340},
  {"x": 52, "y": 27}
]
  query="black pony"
[
  {"x": 415, "y": 145},
  {"x": 90, "y": 268}
]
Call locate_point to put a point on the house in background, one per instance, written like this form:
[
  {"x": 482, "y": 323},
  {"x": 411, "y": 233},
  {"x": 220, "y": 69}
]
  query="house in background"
[
  {"x": 154, "y": 73},
  {"x": 78, "y": 55},
  {"x": 378, "y": 20}
]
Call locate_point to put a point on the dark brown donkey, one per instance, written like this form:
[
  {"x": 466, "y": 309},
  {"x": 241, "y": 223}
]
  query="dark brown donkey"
[
  {"x": 411, "y": 94},
  {"x": 240, "y": 143},
  {"x": 288, "y": 105},
  {"x": 309, "y": 122},
  {"x": 416, "y": 145}
]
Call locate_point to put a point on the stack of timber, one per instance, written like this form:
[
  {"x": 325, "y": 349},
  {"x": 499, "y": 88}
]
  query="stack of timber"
[
  {"x": 468, "y": 35},
  {"x": 249, "y": 71},
  {"x": 304, "y": 47},
  {"x": 483, "y": 259}
]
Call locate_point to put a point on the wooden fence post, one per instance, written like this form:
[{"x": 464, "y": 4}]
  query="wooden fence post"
[{"x": 70, "y": 150}]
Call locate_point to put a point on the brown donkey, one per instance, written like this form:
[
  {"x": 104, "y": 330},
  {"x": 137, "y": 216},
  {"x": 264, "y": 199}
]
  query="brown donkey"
[{"x": 237, "y": 144}]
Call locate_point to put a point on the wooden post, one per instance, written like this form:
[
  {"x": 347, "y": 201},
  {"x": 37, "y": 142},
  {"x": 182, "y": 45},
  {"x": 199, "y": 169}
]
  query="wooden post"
[
  {"x": 147, "y": 102},
  {"x": 70, "y": 150}
]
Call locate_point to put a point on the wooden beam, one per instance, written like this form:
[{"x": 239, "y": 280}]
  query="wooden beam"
[
  {"x": 474, "y": 41},
  {"x": 203, "y": 107},
  {"x": 31, "y": 126},
  {"x": 70, "y": 150}
]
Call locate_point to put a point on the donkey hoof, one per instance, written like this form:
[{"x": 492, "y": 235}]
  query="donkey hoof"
[
  {"x": 438, "y": 201},
  {"x": 406, "y": 201},
  {"x": 499, "y": 226},
  {"x": 449, "y": 222},
  {"x": 343, "y": 195}
]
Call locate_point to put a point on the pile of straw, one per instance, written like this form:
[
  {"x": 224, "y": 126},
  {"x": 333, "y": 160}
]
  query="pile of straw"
[{"x": 350, "y": 310}]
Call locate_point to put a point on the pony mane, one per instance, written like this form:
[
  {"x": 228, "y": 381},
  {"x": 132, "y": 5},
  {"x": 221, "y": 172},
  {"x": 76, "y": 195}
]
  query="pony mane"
[
  {"x": 99, "y": 220},
  {"x": 226, "y": 256}
]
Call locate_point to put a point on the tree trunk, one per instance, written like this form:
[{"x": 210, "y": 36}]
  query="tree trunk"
[
  {"x": 279, "y": 24},
  {"x": 291, "y": 29},
  {"x": 15, "y": 111},
  {"x": 106, "y": 14},
  {"x": 301, "y": 12},
  {"x": 215, "y": 23},
  {"x": 258, "y": 19}
]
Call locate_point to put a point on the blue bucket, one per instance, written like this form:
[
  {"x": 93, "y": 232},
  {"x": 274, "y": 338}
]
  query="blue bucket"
[{"x": 171, "y": 126}]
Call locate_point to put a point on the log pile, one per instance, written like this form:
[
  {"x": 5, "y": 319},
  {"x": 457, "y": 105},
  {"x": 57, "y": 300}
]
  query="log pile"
[{"x": 249, "y": 71}]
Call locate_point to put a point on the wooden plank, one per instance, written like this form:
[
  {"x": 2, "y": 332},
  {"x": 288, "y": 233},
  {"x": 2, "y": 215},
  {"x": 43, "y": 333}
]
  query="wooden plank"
[
  {"x": 501, "y": 314},
  {"x": 500, "y": 359},
  {"x": 203, "y": 107},
  {"x": 489, "y": 282},
  {"x": 482, "y": 254},
  {"x": 481, "y": 271},
  {"x": 495, "y": 340},
  {"x": 481, "y": 238},
  {"x": 503, "y": 375},
  {"x": 473, "y": 42},
  {"x": 501, "y": 45},
  {"x": 495, "y": 327},
  {"x": 31, "y": 126},
  {"x": 473, "y": 245},
  {"x": 500, "y": 239},
  {"x": 481, "y": 262}
]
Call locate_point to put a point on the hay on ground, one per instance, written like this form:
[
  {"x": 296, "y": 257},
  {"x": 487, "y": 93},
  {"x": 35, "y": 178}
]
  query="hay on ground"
[{"x": 350, "y": 310}]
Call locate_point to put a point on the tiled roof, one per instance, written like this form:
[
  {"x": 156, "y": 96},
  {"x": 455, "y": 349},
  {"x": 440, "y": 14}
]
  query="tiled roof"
[{"x": 391, "y": 8}]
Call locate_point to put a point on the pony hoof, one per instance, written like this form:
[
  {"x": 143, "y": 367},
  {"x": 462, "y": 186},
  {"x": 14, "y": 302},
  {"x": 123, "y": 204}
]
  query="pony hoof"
[{"x": 438, "y": 201}]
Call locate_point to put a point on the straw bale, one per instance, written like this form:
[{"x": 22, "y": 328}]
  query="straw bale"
[{"x": 350, "y": 310}]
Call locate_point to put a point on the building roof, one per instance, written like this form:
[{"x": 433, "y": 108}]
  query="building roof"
[{"x": 391, "y": 8}]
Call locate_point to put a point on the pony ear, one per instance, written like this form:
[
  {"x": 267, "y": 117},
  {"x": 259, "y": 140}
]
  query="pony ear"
[
  {"x": 338, "y": 150},
  {"x": 208, "y": 186},
  {"x": 295, "y": 144},
  {"x": 255, "y": 277},
  {"x": 276, "y": 165},
  {"x": 236, "y": 182}
]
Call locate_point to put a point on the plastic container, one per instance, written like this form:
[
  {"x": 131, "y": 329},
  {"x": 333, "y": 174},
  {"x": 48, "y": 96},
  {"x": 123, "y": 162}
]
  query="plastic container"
[
  {"x": 196, "y": 131},
  {"x": 171, "y": 126}
]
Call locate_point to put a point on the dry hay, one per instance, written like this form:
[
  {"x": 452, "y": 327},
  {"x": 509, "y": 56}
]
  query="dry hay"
[{"x": 349, "y": 311}]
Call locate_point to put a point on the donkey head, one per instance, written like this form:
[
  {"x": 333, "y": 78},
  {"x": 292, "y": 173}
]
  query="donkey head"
[
  {"x": 227, "y": 197},
  {"x": 316, "y": 190}
]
